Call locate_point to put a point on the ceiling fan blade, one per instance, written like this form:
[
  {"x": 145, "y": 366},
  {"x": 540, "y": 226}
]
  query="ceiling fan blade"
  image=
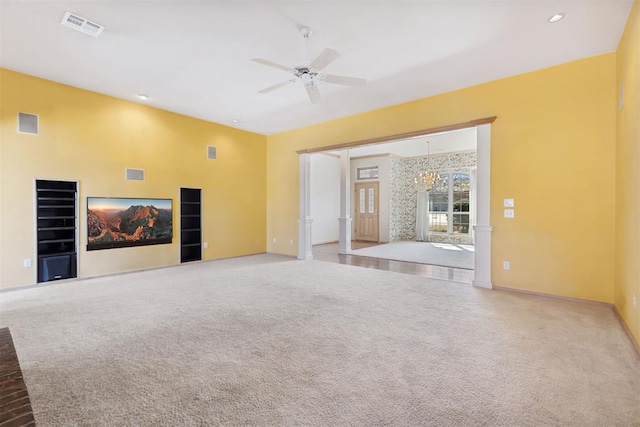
[
  {"x": 344, "y": 80},
  {"x": 274, "y": 87},
  {"x": 312, "y": 91},
  {"x": 325, "y": 58},
  {"x": 273, "y": 64}
]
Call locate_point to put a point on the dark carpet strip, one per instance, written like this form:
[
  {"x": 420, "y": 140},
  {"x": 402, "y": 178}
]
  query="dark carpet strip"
[{"x": 15, "y": 406}]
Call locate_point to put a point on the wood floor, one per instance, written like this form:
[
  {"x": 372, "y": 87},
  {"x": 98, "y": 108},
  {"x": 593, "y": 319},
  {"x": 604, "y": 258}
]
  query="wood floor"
[
  {"x": 15, "y": 406},
  {"x": 329, "y": 252}
]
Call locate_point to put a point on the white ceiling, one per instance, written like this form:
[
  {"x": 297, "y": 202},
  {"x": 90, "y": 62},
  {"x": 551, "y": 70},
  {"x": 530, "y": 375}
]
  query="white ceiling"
[{"x": 194, "y": 57}]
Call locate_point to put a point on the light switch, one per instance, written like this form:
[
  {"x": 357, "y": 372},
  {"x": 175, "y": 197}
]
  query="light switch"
[
  {"x": 509, "y": 213},
  {"x": 509, "y": 203}
]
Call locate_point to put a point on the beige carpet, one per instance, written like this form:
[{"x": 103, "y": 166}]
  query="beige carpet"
[
  {"x": 272, "y": 341},
  {"x": 444, "y": 254}
]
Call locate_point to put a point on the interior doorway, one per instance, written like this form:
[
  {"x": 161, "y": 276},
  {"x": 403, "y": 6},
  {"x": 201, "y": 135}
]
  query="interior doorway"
[
  {"x": 390, "y": 206},
  {"x": 466, "y": 235}
]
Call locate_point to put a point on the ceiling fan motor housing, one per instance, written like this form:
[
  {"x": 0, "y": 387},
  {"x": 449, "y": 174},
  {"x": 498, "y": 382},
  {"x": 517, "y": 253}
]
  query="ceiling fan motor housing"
[{"x": 306, "y": 74}]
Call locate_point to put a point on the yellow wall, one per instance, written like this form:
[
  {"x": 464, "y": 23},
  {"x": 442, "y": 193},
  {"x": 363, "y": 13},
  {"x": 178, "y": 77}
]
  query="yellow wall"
[
  {"x": 628, "y": 175},
  {"x": 92, "y": 138},
  {"x": 553, "y": 150}
]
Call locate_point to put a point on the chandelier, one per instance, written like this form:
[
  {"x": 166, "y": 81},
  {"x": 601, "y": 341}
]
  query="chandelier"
[{"x": 427, "y": 179}]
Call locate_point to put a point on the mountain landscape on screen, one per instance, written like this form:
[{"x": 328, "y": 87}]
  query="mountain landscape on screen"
[{"x": 136, "y": 223}]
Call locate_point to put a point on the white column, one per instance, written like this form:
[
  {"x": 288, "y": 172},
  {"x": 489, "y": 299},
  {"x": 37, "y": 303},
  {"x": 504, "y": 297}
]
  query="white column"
[
  {"x": 483, "y": 227},
  {"x": 304, "y": 222},
  {"x": 345, "y": 203},
  {"x": 473, "y": 202}
]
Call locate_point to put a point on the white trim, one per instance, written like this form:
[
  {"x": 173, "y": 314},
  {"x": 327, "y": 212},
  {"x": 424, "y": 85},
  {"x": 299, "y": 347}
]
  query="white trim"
[
  {"x": 483, "y": 229},
  {"x": 305, "y": 221},
  {"x": 344, "y": 246},
  {"x": 305, "y": 247}
]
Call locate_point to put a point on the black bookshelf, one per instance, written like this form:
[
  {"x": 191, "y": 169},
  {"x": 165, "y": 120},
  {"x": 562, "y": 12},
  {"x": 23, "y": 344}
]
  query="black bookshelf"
[
  {"x": 190, "y": 225},
  {"x": 56, "y": 212}
]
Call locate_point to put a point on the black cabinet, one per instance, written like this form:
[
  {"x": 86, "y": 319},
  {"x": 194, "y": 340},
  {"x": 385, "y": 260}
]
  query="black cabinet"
[
  {"x": 56, "y": 213},
  {"x": 190, "y": 224}
]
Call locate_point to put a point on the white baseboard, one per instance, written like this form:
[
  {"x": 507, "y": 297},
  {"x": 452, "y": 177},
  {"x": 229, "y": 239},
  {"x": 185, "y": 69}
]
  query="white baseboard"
[
  {"x": 324, "y": 243},
  {"x": 480, "y": 284}
]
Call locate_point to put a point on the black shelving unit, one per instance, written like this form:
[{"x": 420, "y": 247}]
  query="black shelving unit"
[
  {"x": 56, "y": 212},
  {"x": 190, "y": 224}
]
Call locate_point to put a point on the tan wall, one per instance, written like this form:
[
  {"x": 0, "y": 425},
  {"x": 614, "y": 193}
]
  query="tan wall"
[
  {"x": 92, "y": 138},
  {"x": 553, "y": 150},
  {"x": 628, "y": 175}
]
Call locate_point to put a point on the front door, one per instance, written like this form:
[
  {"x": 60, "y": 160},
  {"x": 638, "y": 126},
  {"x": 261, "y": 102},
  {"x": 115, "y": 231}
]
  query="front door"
[{"x": 366, "y": 211}]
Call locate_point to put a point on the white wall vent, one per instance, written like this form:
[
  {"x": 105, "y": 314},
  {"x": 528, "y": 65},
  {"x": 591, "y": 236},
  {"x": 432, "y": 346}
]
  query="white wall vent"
[
  {"x": 81, "y": 24},
  {"x": 28, "y": 123},
  {"x": 134, "y": 174},
  {"x": 211, "y": 152}
]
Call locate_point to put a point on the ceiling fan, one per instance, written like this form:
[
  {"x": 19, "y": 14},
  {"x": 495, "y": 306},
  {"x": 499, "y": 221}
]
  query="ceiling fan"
[{"x": 311, "y": 74}]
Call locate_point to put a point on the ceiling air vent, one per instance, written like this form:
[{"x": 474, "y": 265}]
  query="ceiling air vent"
[
  {"x": 135, "y": 174},
  {"x": 81, "y": 24},
  {"x": 28, "y": 123},
  {"x": 211, "y": 152}
]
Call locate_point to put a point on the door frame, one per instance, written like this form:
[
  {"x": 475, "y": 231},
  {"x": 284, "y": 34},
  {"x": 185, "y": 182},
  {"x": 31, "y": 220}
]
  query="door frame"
[
  {"x": 355, "y": 210},
  {"x": 482, "y": 230}
]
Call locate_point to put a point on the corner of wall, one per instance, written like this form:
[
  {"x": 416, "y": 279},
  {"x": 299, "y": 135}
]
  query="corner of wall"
[{"x": 627, "y": 208}]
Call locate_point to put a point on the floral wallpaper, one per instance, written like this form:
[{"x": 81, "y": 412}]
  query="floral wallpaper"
[
  {"x": 403, "y": 198},
  {"x": 399, "y": 207}
]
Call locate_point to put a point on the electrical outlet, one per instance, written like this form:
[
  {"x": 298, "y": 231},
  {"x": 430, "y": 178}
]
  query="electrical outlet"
[
  {"x": 509, "y": 213},
  {"x": 27, "y": 263},
  {"x": 274, "y": 240},
  {"x": 205, "y": 245},
  {"x": 506, "y": 265},
  {"x": 635, "y": 301},
  {"x": 291, "y": 241}
]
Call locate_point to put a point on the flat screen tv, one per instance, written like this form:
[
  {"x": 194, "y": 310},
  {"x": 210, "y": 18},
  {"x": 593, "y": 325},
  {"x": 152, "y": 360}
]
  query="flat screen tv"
[{"x": 123, "y": 222}]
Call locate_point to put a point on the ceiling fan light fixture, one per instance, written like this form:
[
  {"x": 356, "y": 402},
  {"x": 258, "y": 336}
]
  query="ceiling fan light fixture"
[
  {"x": 311, "y": 74},
  {"x": 556, "y": 18},
  {"x": 306, "y": 32}
]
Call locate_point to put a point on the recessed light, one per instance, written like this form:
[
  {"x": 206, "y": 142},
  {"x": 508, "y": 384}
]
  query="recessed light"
[
  {"x": 142, "y": 96},
  {"x": 556, "y": 17},
  {"x": 234, "y": 121}
]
